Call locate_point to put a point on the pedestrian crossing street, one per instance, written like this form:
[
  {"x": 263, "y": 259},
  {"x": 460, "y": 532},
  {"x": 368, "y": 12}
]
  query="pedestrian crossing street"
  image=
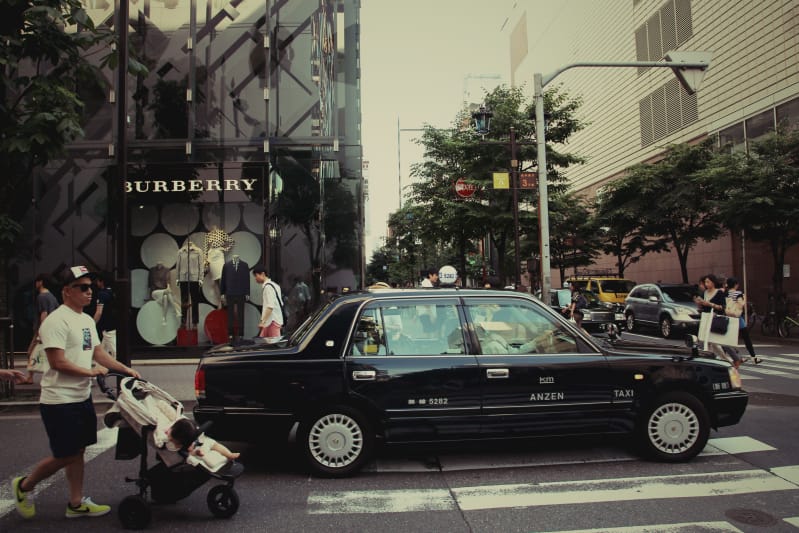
[
  {"x": 785, "y": 365},
  {"x": 726, "y": 483}
]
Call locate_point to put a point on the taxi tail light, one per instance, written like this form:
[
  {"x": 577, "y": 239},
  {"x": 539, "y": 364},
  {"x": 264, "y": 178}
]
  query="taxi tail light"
[
  {"x": 735, "y": 378},
  {"x": 199, "y": 383}
]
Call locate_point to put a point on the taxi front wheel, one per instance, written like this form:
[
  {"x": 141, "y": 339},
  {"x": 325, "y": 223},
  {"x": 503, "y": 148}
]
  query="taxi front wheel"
[
  {"x": 336, "y": 441},
  {"x": 675, "y": 428}
]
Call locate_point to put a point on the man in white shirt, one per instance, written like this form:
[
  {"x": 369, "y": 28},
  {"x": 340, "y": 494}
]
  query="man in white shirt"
[
  {"x": 272, "y": 313},
  {"x": 73, "y": 347}
]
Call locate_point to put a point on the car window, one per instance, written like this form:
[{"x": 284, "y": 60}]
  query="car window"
[
  {"x": 616, "y": 285},
  {"x": 678, "y": 294},
  {"x": 517, "y": 328},
  {"x": 408, "y": 328},
  {"x": 638, "y": 292}
]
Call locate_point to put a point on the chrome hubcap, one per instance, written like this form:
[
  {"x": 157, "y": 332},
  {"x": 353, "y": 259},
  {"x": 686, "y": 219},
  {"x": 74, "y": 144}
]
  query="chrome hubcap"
[
  {"x": 335, "y": 440},
  {"x": 673, "y": 428}
]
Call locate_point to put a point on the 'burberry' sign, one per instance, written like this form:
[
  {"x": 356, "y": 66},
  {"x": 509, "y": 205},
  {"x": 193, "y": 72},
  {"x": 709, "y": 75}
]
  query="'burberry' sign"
[{"x": 189, "y": 185}]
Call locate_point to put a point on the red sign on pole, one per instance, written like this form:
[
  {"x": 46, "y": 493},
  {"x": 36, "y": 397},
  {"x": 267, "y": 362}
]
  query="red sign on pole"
[
  {"x": 463, "y": 189},
  {"x": 528, "y": 180}
]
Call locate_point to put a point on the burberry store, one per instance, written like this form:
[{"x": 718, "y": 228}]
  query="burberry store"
[{"x": 240, "y": 145}]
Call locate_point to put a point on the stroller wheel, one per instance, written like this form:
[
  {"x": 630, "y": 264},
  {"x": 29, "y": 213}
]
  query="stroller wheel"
[
  {"x": 223, "y": 502},
  {"x": 134, "y": 512}
]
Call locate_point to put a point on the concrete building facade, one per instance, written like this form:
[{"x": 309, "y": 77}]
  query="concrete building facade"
[{"x": 633, "y": 113}]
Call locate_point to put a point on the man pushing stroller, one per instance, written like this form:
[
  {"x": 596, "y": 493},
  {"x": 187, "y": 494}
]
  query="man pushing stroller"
[{"x": 73, "y": 347}]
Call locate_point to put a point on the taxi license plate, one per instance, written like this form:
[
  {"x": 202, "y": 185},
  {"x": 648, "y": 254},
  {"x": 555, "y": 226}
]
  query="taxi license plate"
[{"x": 619, "y": 316}]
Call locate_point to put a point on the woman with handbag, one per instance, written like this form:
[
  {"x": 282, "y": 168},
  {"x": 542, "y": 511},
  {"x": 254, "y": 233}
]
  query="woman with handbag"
[
  {"x": 714, "y": 300},
  {"x": 735, "y": 305}
]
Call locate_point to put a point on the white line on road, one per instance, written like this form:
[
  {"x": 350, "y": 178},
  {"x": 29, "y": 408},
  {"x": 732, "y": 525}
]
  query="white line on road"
[
  {"x": 687, "y": 527},
  {"x": 544, "y": 494},
  {"x": 106, "y": 438}
]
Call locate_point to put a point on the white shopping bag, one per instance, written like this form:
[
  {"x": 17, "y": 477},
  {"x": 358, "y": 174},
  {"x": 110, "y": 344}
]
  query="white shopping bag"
[{"x": 727, "y": 339}]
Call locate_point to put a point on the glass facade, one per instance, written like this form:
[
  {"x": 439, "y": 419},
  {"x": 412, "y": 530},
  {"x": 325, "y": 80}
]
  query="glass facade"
[{"x": 242, "y": 145}]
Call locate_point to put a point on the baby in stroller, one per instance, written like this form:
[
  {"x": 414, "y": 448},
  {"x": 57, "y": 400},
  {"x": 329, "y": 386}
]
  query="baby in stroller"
[
  {"x": 184, "y": 434},
  {"x": 148, "y": 417}
]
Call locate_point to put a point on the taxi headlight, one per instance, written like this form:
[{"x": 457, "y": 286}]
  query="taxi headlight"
[{"x": 735, "y": 378}]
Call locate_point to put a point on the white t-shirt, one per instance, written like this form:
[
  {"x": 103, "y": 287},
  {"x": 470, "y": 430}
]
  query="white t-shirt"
[
  {"x": 271, "y": 292},
  {"x": 76, "y": 334}
]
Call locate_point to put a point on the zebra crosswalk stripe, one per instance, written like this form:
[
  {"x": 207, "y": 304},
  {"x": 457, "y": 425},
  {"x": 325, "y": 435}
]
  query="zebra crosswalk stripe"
[{"x": 555, "y": 493}]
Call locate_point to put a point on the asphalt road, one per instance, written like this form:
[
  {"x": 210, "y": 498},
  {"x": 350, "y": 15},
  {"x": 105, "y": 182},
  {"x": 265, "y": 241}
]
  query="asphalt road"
[{"x": 747, "y": 479}]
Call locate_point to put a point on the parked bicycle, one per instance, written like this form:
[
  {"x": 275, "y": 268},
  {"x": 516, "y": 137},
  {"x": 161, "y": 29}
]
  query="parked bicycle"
[
  {"x": 770, "y": 322},
  {"x": 787, "y": 324}
]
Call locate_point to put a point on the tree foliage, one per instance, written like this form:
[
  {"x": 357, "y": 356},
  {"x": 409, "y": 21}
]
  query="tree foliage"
[
  {"x": 45, "y": 47},
  {"x": 446, "y": 221},
  {"x": 674, "y": 201},
  {"x": 760, "y": 195}
]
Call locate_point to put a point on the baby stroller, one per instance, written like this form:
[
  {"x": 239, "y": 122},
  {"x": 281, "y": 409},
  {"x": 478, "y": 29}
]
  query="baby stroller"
[{"x": 143, "y": 412}]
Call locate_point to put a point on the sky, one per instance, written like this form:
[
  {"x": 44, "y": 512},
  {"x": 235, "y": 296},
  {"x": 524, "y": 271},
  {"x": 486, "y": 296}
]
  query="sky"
[{"x": 415, "y": 58}]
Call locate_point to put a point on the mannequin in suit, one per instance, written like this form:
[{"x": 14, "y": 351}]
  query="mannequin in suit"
[{"x": 235, "y": 287}]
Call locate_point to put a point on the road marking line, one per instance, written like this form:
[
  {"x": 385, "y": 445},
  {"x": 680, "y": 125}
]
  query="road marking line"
[
  {"x": 760, "y": 370},
  {"x": 553, "y": 493},
  {"x": 794, "y": 520},
  {"x": 687, "y": 527},
  {"x": 380, "y": 501},
  {"x": 106, "y": 438},
  {"x": 733, "y": 445},
  {"x": 788, "y": 473},
  {"x": 623, "y": 489}
]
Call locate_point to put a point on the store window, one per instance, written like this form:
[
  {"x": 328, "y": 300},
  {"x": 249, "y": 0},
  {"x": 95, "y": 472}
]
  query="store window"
[{"x": 196, "y": 232}]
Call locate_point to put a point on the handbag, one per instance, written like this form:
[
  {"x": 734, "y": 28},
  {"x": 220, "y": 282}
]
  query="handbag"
[
  {"x": 38, "y": 360},
  {"x": 719, "y": 324},
  {"x": 734, "y": 308}
]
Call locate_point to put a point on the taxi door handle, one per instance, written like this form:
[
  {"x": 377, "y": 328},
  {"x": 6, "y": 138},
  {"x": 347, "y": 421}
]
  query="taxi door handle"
[
  {"x": 497, "y": 373},
  {"x": 364, "y": 375}
]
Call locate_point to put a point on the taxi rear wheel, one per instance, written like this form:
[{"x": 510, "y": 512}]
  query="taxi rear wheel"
[
  {"x": 675, "y": 428},
  {"x": 336, "y": 441}
]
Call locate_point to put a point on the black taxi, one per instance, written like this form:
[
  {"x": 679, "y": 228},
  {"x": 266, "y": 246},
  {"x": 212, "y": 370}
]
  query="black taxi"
[{"x": 427, "y": 365}]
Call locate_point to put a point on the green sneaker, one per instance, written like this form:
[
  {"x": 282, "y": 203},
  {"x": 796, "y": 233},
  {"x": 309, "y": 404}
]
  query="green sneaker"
[
  {"x": 87, "y": 508},
  {"x": 24, "y": 501}
]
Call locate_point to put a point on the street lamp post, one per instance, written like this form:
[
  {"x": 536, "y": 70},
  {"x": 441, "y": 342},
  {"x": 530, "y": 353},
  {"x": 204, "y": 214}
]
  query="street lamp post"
[
  {"x": 689, "y": 67},
  {"x": 482, "y": 124}
]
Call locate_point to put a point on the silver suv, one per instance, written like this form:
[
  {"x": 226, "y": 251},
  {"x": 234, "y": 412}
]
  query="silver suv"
[{"x": 668, "y": 307}]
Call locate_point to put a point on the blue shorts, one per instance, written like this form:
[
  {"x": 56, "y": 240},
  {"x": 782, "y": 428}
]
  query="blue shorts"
[{"x": 70, "y": 427}]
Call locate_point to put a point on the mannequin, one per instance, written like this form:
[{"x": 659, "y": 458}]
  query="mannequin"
[
  {"x": 190, "y": 279},
  {"x": 158, "y": 281},
  {"x": 217, "y": 242},
  {"x": 235, "y": 286}
]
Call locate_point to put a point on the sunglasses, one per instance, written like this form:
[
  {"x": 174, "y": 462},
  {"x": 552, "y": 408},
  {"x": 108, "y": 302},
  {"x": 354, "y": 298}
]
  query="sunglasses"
[{"x": 84, "y": 287}]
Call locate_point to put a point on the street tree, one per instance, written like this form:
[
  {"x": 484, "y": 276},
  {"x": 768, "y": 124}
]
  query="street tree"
[
  {"x": 616, "y": 225},
  {"x": 760, "y": 195},
  {"x": 675, "y": 200},
  {"x": 572, "y": 242},
  {"x": 459, "y": 152}
]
